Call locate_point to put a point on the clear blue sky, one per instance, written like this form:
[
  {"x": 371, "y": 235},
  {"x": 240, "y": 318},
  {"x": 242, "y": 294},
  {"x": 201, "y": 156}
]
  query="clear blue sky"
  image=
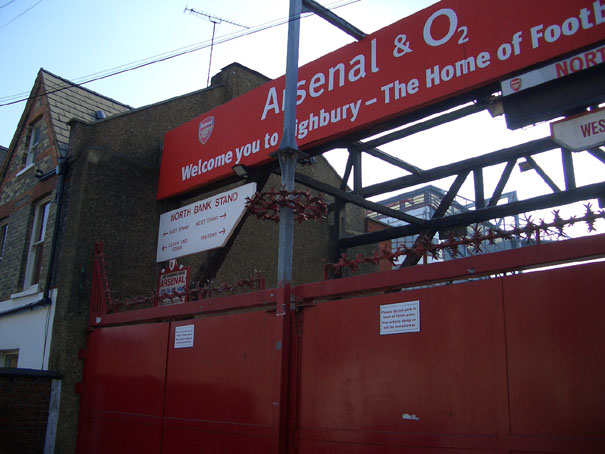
[{"x": 75, "y": 38}]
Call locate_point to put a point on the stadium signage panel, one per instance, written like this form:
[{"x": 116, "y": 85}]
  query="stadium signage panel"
[
  {"x": 447, "y": 49},
  {"x": 581, "y": 131},
  {"x": 570, "y": 65},
  {"x": 203, "y": 225}
]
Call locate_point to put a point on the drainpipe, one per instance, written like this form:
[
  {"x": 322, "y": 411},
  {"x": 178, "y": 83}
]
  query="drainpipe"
[{"x": 61, "y": 172}]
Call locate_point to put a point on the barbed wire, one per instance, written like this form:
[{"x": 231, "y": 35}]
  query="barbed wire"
[
  {"x": 530, "y": 232},
  {"x": 266, "y": 205},
  {"x": 196, "y": 292}
]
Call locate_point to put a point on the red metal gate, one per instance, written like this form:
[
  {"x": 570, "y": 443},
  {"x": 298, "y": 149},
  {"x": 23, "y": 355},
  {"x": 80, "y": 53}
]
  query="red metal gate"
[
  {"x": 141, "y": 394},
  {"x": 500, "y": 365},
  {"x": 512, "y": 364}
]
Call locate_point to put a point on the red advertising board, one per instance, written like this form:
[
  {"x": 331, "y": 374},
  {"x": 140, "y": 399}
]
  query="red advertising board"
[
  {"x": 172, "y": 281},
  {"x": 449, "y": 48}
]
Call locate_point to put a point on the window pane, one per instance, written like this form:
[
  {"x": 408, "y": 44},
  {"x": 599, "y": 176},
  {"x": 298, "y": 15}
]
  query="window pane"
[
  {"x": 43, "y": 217},
  {"x": 34, "y": 141},
  {"x": 9, "y": 358},
  {"x": 3, "y": 235},
  {"x": 37, "y": 263},
  {"x": 36, "y": 249}
]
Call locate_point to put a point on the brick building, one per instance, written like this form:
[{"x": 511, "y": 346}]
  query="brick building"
[
  {"x": 31, "y": 194},
  {"x": 28, "y": 213},
  {"x": 83, "y": 168}
]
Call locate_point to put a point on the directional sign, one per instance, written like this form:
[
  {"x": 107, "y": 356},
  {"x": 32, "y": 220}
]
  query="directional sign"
[
  {"x": 580, "y": 132},
  {"x": 203, "y": 225}
]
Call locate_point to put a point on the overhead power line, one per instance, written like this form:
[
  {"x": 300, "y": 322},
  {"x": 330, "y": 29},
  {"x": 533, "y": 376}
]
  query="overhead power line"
[
  {"x": 6, "y": 4},
  {"x": 77, "y": 82},
  {"x": 20, "y": 14}
]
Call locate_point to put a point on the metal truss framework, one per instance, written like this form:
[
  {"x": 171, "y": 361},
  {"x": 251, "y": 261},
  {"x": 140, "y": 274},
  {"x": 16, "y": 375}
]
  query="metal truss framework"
[
  {"x": 485, "y": 208},
  {"x": 486, "y": 205},
  {"x": 424, "y": 119}
]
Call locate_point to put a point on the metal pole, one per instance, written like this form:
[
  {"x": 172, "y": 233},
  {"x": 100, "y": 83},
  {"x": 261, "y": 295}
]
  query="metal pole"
[
  {"x": 211, "y": 49},
  {"x": 288, "y": 154},
  {"x": 288, "y": 149}
]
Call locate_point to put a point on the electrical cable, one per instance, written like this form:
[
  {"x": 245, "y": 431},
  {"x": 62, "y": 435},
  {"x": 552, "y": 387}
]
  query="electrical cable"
[
  {"x": 21, "y": 14},
  {"x": 6, "y": 4},
  {"x": 78, "y": 82}
]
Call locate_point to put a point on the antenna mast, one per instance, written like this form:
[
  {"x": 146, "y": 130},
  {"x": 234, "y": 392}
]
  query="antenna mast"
[{"x": 215, "y": 20}]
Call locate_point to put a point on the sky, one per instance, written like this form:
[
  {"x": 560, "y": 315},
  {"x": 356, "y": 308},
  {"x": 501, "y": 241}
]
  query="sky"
[
  {"x": 74, "y": 39},
  {"x": 79, "y": 40}
]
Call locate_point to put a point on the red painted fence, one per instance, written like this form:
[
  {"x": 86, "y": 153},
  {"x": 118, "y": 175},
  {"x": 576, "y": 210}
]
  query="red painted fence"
[{"x": 500, "y": 365}]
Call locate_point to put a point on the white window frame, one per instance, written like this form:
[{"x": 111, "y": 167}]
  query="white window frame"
[
  {"x": 34, "y": 142},
  {"x": 36, "y": 244},
  {"x": 4, "y": 354}
]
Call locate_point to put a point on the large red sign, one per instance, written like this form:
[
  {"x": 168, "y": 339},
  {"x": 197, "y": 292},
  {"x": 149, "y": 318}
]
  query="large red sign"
[{"x": 449, "y": 48}]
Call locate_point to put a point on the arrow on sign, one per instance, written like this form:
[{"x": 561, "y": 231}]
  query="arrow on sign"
[{"x": 207, "y": 224}]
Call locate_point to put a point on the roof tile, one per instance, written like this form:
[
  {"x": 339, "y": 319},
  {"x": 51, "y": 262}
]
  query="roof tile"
[{"x": 68, "y": 101}]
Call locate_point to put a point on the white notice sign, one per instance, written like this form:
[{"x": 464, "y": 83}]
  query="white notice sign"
[
  {"x": 400, "y": 318},
  {"x": 203, "y": 225},
  {"x": 183, "y": 336}
]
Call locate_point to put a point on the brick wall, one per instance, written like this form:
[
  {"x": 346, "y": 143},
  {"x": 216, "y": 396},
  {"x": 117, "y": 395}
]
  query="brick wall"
[
  {"x": 24, "y": 402},
  {"x": 18, "y": 196}
]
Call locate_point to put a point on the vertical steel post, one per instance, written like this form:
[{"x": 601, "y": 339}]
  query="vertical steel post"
[
  {"x": 288, "y": 156},
  {"x": 288, "y": 149},
  {"x": 357, "y": 177}
]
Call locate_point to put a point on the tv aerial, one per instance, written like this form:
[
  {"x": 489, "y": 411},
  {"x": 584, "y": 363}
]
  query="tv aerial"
[{"x": 215, "y": 21}]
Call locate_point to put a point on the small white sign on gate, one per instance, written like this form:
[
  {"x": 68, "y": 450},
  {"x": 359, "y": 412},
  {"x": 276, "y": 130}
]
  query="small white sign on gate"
[
  {"x": 400, "y": 318},
  {"x": 183, "y": 336}
]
